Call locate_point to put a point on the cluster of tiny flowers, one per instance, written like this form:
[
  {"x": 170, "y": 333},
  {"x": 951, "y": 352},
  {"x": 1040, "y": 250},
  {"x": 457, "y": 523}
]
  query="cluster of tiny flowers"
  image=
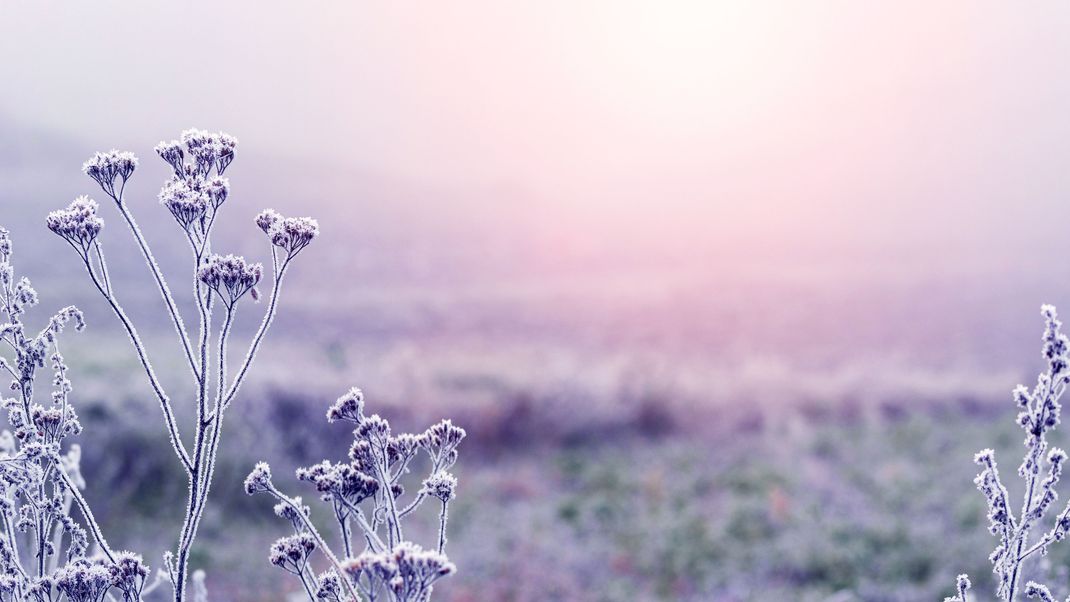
[
  {"x": 1040, "y": 592},
  {"x": 207, "y": 150},
  {"x": 348, "y": 407},
  {"x": 406, "y": 573},
  {"x": 106, "y": 168},
  {"x": 291, "y": 234},
  {"x": 188, "y": 206},
  {"x": 78, "y": 224},
  {"x": 1039, "y": 413},
  {"x": 230, "y": 277},
  {"x": 197, "y": 189},
  {"x": 366, "y": 498},
  {"x": 259, "y": 480},
  {"x": 292, "y": 553},
  {"x": 128, "y": 574},
  {"x": 441, "y": 485}
]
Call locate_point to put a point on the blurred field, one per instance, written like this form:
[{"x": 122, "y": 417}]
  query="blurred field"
[
  {"x": 705, "y": 425},
  {"x": 603, "y": 465},
  {"x": 826, "y": 503}
]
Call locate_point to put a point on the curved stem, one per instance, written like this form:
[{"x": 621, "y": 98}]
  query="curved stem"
[
  {"x": 394, "y": 524},
  {"x": 442, "y": 527},
  {"x": 216, "y": 425},
  {"x": 90, "y": 520},
  {"x": 139, "y": 347},
  {"x": 165, "y": 292},
  {"x": 204, "y": 447},
  {"x": 280, "y": 273},
  {"x": 103, "y": 265},
  {"x": 10, "y": 533},
  {"x": 308, "y": 589},
  {"x": 369, "y": 531},
  {"x": 1027, "y": 505}
]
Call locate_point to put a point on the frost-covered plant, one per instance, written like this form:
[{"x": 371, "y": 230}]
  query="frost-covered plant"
[
  {"x": 366, "y": 492},
  {"x": 1040, "y": 409},
  {"x": 194, "y": 194},
  {"x": 43, "y": 549}
]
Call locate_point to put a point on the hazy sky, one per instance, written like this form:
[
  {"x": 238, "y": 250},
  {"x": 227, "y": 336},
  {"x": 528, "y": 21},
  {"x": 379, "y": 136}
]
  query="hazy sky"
[{"x": 781, "y": 125}]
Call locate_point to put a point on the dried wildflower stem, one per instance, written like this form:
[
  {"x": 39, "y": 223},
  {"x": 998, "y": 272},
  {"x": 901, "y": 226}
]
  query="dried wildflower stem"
[
  {"x": 1027, "y": 506},
  {"x": 57, "y": 533},
  {"x": 161, "y": 283},
  {"x": 1039, "y": 413},
  {"x": 213, "y": 427},
  {"x": 215, "y": 419},
  {"x": 103, "y": 266},
  {"x": 442, "y": 527},
  {"x": 193, "y": 196},
  {"x": 1050, "y": 536},
  {"x": 279, "y": 269},
  {"x": 372, "y": 537},
  {"x": 87, "y": 514},
  {"x": 142, "y": 354}
]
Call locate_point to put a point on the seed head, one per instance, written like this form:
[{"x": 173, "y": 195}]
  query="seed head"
[
  {"x": 172, "y": 153},
  {"x": 291, "y": 234},
  {"x": 442, "y": 485},
  {"x": 230, "y": 276},
  {"x": 259, "y": 480},
  {"x": 348, "y": 407},
  {"x": 105, "y": 168},
  {"x": 189, "y": 206},
  {"x": 78, "y": 224}
]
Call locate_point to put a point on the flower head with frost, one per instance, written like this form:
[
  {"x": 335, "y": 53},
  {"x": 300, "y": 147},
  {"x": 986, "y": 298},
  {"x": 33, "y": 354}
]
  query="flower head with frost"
[
  {"x": 227, "y": 145},
  {"x": 291, "y": 553},
  {"x": 230, "y": 276},
  {"x": 343, "y": 482},
  {"x": 187, "y": 205},
  {"x": 292, "y": 234},
  {"x": 330, "y": 588},
  {"x": 372, "y": 566},
  {"x": 84, "y": 581},
  {"x": 218, "y": 189},
  {"x": 259, "y": 480},
  {"x": 209, "y": 151},
  {"x": 441, "y": 485},
  {"x": 1041, "y": 592},
  {"x": 441, "y": 441},
  {"x": 106, "y": 168},
  {"x": 78, "y": 224},
  {"x": 172, "y": 153},
  {"x": 348, "y": 407},
  {"x": 128, "y": 573},
  {"x": 293, "y": 510}
]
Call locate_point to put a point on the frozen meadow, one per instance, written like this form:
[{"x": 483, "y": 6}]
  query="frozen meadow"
[{"x": 686, "y": 434}]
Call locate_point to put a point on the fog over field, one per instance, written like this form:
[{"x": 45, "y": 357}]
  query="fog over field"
[{"x": 726, "y": 295}]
